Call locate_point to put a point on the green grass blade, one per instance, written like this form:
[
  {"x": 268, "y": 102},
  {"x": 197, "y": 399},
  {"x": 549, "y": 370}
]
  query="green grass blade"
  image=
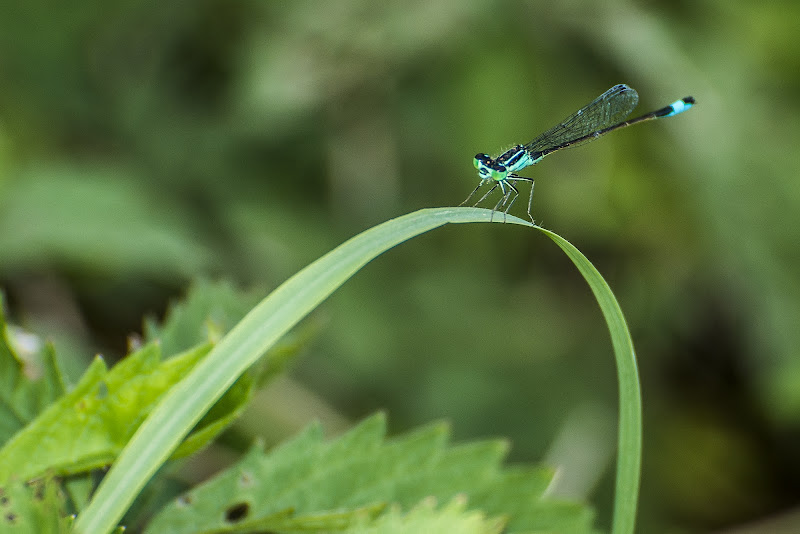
[
  {"x": 189, "y": 400},
  {"x": 629, "y": 439}
]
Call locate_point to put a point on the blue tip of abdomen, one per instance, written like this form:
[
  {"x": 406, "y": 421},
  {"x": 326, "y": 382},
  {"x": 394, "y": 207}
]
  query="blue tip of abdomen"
[{"x": 679, "y": 106}]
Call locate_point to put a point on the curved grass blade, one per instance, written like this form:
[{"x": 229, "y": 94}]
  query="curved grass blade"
[
  {"x": 629, "y": 436},
  {"x": 274, "y": 316}
]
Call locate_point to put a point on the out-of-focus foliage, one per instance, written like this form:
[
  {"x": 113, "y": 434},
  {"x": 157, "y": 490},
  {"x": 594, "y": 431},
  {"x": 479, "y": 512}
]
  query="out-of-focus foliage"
[{"x": 143, "y": 143}]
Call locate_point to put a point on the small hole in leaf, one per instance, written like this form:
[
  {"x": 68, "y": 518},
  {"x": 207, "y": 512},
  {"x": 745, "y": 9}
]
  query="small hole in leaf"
[{"x": 237, "y": 512}]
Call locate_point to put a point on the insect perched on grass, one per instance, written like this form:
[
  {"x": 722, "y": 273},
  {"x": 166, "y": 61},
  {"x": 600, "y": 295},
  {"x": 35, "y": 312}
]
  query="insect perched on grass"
[{"x": 604, "y": 114}]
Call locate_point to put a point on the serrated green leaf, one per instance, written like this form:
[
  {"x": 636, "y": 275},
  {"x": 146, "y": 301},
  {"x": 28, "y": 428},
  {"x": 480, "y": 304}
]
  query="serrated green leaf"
[
  {"x": 425, "y": 517},
  {"x": 107, "y": 407},
  {"x": 51, "y": 433},
  {"x": 307, "y": 480},
  {"x": 33, "y": 509},
  {"x": 208, "y": 310}
]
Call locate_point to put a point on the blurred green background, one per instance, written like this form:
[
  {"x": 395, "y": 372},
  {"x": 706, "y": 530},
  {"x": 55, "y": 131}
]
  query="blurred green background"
[{"x": 145, "y": 143}]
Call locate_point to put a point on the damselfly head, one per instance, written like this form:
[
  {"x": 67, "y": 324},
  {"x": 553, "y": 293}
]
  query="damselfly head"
[
  {"x": 488, "y": 168},
  {"x": 481, "y": 160}
]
